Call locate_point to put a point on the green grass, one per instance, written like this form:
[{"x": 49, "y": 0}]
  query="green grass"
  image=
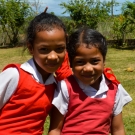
[
  {"x": 12, "y": 55},
  {"x": 118, "y": 60}
]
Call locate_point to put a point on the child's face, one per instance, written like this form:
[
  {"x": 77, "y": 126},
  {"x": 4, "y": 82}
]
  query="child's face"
[
  {"x": 88, "y": 65},
  {"x": 49, "y": 50}
]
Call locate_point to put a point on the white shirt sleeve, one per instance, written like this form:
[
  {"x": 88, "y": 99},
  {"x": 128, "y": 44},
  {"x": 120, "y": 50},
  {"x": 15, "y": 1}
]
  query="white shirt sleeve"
[
  {"x": 122, "y": 98},
  {"x": 61, "y": 97},
  {"x": 8, "y": 83}
]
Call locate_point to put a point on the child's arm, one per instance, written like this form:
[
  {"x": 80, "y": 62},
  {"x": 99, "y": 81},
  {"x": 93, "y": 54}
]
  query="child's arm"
[
  {"x": 64, "y": 70},
  {"x": 117, "y": 127},
  {"x": 56, "y": 122},
  {"x": 122, "y": 98},
  {"x": 60, "y": 107},
  {"x": 9, "y": 81}
]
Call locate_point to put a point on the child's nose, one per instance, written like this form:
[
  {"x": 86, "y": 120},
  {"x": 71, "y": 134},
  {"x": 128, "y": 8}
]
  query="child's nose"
[
  {"x": 52, "y": 55},
  {"x": 88, "y": 68}
]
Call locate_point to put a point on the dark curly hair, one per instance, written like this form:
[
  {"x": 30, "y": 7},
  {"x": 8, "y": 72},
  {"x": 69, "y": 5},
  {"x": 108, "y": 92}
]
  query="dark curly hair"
[
  {"x": 90, "y": 37},
  {"x": 43, "y": 22}
]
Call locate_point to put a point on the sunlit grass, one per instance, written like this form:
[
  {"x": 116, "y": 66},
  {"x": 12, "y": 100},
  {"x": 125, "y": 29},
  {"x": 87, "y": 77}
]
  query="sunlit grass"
[
  {"x": 12, "y": 55},
  {"x": 119, "y": 60}
]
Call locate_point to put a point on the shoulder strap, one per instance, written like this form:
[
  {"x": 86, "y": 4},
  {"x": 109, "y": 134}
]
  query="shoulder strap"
[
  {"x": 11, "y": 65},
  {"x": 110, "y": 75}
]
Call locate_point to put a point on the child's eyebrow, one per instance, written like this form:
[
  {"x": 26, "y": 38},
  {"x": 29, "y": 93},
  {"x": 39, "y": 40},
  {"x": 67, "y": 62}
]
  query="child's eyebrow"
[
  {"x": 79, "y": 58},
  {"x": 96, "y": 57},
  {"x": 61, "y": 45},
  {"x": 82, "y": 58},
  {"x": 47, "y": 45}
]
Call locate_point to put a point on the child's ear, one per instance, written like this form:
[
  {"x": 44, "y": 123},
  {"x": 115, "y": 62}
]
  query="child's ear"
[{"x": 30, "y": 48}]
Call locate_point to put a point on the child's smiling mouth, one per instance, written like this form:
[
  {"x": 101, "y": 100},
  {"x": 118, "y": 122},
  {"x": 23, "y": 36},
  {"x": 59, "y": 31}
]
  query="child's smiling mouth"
[
  {"x": 52, "y": 65},
  {"x": 88, "y": 76}
]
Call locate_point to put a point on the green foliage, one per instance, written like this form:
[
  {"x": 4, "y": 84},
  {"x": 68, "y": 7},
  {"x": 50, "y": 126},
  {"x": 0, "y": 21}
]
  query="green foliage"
[
  {"x": 118, "y": 28},
  {"x": 70, "y": 24},
  {"x": 86, "y": 12},
  {"x": 12, "y": 16},
  {"x": 52, "y": 13},
  {"x": 128, "y": 10},
  {"x": 124, "y": 23}
]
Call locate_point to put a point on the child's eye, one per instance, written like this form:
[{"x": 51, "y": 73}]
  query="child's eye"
[
  {"x": 60, "y": 49},
  {"x": 95, "y": 61},
  {"x": 79, "y": 62},
  {"x": 43, "y": 50}
]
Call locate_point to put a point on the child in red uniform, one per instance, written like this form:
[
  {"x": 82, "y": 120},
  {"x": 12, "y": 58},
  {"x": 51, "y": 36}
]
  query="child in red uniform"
[
  {"x": 90, "y": 101},
  {"x": 26, "y": 90}
]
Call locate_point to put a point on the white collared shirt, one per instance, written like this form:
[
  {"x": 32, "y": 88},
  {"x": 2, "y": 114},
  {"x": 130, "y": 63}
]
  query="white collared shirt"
[
  {"x": 9, "y": 79},
  {"x": 61, "y": 96},
  {"x": 93, "y": 93}
]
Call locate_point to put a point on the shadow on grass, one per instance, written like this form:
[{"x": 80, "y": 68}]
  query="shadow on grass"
[
  {"x": 8, "y": 47},
  {"x": 122, "y": 47}
]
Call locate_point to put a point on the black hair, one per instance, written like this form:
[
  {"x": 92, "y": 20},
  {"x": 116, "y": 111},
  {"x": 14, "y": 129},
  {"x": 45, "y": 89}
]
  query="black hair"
[
  {"x": 43, "y": 22},
  {"x": 90, "y": 37}
]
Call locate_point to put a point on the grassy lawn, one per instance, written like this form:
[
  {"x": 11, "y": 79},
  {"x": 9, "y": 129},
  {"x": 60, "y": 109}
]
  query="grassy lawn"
[{"x": 118, "y": 60}]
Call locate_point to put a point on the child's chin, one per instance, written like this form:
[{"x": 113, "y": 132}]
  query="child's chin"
[
  {"x": 86, "y": 83},
  {"x": 52, "y": 69}
]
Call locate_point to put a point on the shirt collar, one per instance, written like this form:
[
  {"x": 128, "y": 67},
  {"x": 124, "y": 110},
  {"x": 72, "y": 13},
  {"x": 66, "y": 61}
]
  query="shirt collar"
[
  {"x": 103, "y": 87},
  {"x": 30, "y": 67}
]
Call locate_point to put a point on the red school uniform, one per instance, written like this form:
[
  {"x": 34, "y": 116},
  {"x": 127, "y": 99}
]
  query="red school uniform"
[
  {"x": 88, "y": 115},
  {"x": 26, "y": 110}
]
